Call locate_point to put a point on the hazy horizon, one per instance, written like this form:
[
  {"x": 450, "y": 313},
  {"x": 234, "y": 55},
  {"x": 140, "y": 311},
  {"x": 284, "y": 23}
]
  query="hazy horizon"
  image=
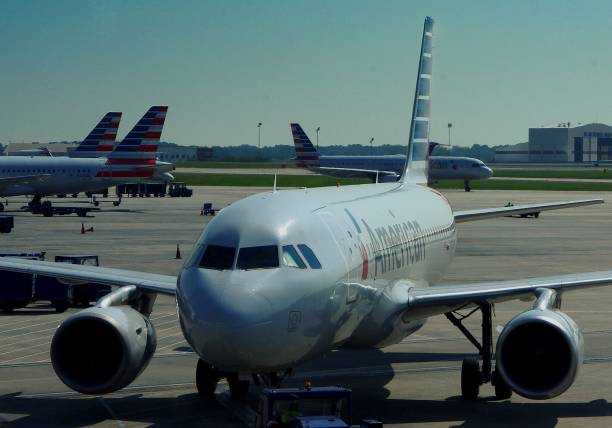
[{"x": 347, "y": 67}]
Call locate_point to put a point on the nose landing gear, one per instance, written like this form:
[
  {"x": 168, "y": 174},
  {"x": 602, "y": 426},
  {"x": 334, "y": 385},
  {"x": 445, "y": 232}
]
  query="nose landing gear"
[{"x": 207, "y": 378}]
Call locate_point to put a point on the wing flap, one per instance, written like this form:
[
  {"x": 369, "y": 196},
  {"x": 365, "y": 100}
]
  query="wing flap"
[
  {"x": 162, "y": 284},
  {"x": 485, "y": 213}
]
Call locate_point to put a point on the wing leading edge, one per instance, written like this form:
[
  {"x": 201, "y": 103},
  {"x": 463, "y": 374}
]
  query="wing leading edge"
[
  {"x": 424, "y": 302},
  {"x": 162, "y": 284},
  {"x": 482, "y": 214}
]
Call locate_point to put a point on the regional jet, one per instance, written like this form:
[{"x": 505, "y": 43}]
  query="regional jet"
[
  {"x": 317, "y": 269},
  {"x": 384, "y": 168},
  {"x": 133, "y": 158}
]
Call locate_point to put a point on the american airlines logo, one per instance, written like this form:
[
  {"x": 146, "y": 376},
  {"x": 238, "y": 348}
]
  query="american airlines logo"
[{"x": 395, "y": 246}]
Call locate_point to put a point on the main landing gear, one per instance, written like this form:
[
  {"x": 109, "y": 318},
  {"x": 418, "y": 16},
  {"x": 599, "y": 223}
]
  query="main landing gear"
[
  {"x": 466, "y": 185},
  {"x": 476, "y": 371}
]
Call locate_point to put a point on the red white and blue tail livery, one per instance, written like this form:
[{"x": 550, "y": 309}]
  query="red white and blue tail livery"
[
  {"x": 137, "y": 151},
  {"x": 101, "y": 140},
  {"x": 307, "y": 155}
]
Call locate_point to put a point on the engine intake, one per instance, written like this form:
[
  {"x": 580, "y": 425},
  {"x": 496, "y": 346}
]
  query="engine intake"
[
  {"x": 102, "y": 349},
  {"x": 539, "y": 353}
]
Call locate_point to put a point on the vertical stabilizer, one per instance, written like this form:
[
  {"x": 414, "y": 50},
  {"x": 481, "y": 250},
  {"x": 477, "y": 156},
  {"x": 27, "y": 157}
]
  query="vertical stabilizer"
[
  {"x": 139, "y": 147},
  {"x": 417, "y": 157},
  {"x": 306, "y": 154},
  {"x": 101, "y": 139}
]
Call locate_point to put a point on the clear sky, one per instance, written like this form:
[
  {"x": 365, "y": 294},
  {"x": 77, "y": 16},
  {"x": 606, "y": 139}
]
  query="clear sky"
[{"x": 346, "y": 66}]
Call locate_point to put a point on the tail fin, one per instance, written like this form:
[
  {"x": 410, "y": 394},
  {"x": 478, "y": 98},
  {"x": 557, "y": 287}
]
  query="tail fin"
[
  {"x": 139, "y": 147},
  {"x": 416, "y": 160},
  {"x": 101, "y": 139},
  {"x": 306, "y": 154}
]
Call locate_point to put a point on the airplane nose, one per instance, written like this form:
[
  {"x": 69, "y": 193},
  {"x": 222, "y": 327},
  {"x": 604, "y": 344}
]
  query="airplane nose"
[
  {"x": 229, "y": 325},
  {"x": 488, "y": 171}
]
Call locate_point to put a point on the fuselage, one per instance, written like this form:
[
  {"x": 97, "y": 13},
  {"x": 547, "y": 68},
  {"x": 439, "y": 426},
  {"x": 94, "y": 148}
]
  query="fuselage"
[
  {"x": 440, "y": 167},
  {"x": 61, "y": 175},
  {"x": 251, "y": 305}
]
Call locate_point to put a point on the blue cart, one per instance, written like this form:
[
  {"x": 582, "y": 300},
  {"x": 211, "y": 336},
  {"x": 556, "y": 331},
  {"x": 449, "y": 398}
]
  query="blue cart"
[{"x": 17, "y": 289}]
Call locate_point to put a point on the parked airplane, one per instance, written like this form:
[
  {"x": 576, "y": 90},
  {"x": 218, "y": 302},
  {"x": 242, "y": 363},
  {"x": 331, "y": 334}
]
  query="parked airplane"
[
  {"x": 383, "y": 168},
  {"x": 101, "y": 142},
  {"x": 133, "y": 158},
  {"x": 316, "y": 269}
]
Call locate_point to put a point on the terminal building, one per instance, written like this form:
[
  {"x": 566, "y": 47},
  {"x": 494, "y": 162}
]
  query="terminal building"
[{"x": 562, "y": 144}]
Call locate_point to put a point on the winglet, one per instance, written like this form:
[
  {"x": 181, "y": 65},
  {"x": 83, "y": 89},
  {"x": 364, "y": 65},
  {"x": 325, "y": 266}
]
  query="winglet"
[
  {"x": 416, "y": 170},
  {"x": 306, "y": 154},
  {"x": 101, "y": 140}
]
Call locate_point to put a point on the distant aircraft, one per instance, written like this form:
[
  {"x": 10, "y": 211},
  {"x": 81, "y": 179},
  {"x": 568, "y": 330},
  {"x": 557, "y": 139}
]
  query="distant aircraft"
[
  {"x": 383, "y": 168},
  {"x": 133, "y": 159},
  {"x": 101, "y": 141},
  {"x": 283, "y": 277}
]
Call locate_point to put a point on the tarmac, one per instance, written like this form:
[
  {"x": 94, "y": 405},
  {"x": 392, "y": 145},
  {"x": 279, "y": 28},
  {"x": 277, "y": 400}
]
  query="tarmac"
[{"x": 412, "y": 384}]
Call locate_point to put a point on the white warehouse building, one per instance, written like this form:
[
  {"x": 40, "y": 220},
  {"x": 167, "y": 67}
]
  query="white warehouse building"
[{"x": 565, "y": 143}]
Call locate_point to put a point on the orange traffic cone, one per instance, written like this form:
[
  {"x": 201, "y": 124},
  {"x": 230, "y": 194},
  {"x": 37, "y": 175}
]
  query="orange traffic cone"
[{"x": 178, "y": 252}]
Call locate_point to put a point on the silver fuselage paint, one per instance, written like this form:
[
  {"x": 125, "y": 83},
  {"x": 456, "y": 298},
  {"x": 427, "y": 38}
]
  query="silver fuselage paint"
[
  {"x": 440, "y": 167},
  {"x": 374, "y": 243},
  {"x": 63, "y": 175}
]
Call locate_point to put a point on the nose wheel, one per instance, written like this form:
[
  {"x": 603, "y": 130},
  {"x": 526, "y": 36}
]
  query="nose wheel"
[{"x": 207, "y": 378}]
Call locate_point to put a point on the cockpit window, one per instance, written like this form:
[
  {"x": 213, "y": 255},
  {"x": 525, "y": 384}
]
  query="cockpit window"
[
  {"x": 218, "y": 257},
  {"x": 309, "y": 256},
  {"x": 291, "y": 258},
  {"x": 475, "y": 165},
  {"x": 264, "y": 257}
]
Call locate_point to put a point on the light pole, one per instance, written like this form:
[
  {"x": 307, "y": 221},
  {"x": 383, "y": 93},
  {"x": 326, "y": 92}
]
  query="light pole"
[
  {"x": 371, "y": 146},
  {"x": 450, "y": 125},
  {"x": 259, "y": 135},
  {"x": 317, "y": 131}
]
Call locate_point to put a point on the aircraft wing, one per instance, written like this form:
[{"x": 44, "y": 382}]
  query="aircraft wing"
[
  {"x": 429, "y": 301},
  {"x": 481, "y": 214},
  {"x": 356, "y": 172},
  {"x": 162, "y": 284},
  {"x": 22, "y": 179}
]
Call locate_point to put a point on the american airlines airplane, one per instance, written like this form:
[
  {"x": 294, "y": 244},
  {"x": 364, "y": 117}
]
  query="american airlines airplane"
[
  {"x": 383, "y": 168},
  {"x": 317, "y": 269},
  {"x": 133, "y": 158}
]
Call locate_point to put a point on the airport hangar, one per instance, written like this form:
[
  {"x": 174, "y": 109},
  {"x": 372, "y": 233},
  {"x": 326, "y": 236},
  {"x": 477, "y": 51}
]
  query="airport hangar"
[{"x": 562, "y": 143}]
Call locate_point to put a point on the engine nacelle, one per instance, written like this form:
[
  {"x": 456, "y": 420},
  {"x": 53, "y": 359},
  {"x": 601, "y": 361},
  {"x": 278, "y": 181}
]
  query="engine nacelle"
[
  {"x": 539, "y": 353},
  {"x": 102, "y": 349}
]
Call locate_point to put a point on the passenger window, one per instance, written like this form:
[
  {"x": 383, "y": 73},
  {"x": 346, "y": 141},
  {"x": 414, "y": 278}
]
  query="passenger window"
[
  {"x": 291, "y": 258},
  {"x": 309, "y": 256},
  {"x": 218, "y": 257},
  {"x": 264, "y": 257}
]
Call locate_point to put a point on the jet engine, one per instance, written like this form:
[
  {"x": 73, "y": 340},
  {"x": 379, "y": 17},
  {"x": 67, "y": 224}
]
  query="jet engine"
[
  {"x": 539, "y": 353},
  {"x": 102, "y": 349}
]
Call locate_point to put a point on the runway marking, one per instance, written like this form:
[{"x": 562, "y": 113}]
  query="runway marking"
[
  {"x": 167, "y": 328},
  {"x": 26, "y": 356},
  {"x": 27, "y": 326},
  {"x": 172, "y": 344},
  {"x": 31, "y": 332},
  {"x": 170, "y": 335},
  {"x": 163, "y": 316},
  {"x": 15, "y": 343},
  {"x": 119, "y": 422},
  {"x": 26, "y": 348},
  {"x": 27, "y": 320}
]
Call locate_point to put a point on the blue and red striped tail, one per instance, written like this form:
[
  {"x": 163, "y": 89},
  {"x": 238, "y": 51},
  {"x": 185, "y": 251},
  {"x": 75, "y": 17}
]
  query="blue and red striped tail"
[
  {"x": 306, "y": 154},
  {"x": 139, "y": 147},
  {"x": 101, "y": 139}
]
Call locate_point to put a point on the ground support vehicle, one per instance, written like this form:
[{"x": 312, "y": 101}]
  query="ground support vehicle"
[
  {"x": 17, "y": 289},
  {"x": 320, "y": 407},
  {"x": 7, "y": 222},
  {"x": 65, "y": 294},
  {"x": 179, "y": 189},
  {"x": 208, "y": 209},
  {"x": 157, "y": 190}
]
